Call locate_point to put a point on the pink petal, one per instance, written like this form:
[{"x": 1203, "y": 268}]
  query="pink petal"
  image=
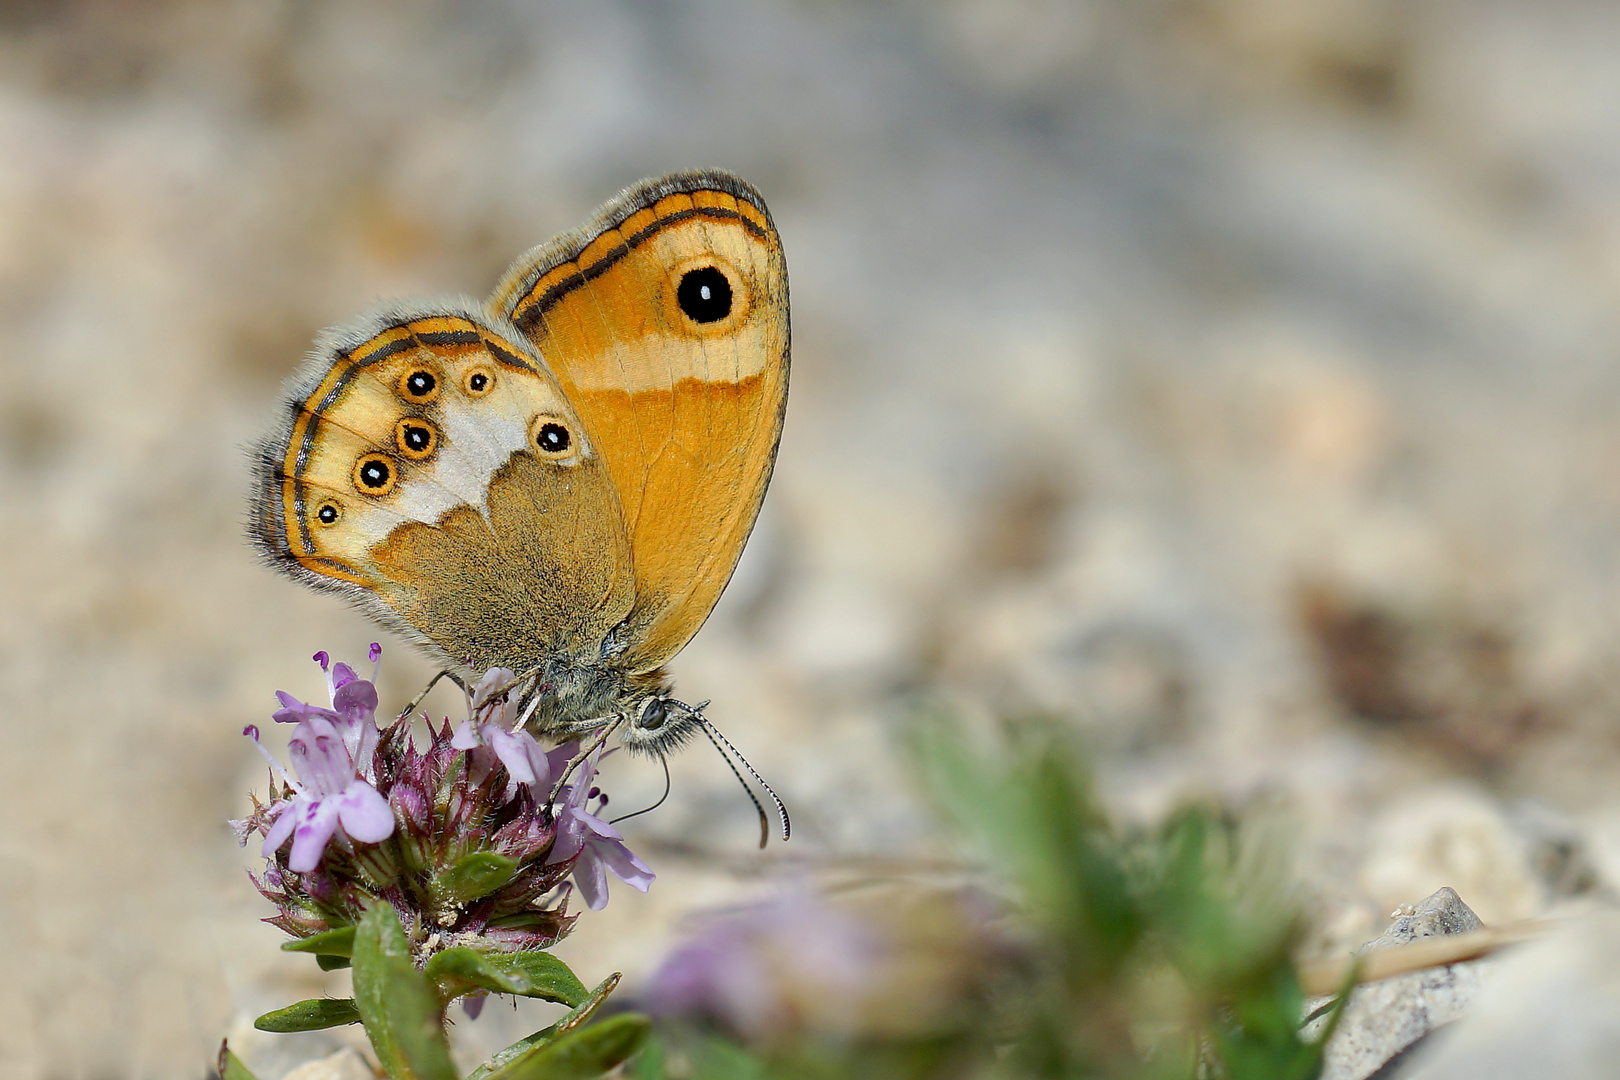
[
  {"x": 570, "y": 838},
  {"x": 495, "y": 680},
  {"x": 624, "y": 864},
  {"x": 342, "y": 675},
  {"x": 514, "y": 754},
  {"x": 365, "y": 813},
  {"x": 279, "y": 831},
  {"x": 318, "y": 821},
  {"x": 592, "y": 880},
  {"x": 558, "y": 757},
  {"x": 356, "y": 699}
]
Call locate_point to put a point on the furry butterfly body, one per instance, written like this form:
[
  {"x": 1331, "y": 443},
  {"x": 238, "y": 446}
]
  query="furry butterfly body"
[{"x": 558, "y": 481}]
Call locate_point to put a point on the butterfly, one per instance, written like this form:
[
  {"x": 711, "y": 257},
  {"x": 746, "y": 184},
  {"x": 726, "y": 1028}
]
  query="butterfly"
[{"x": 559, "y": 480}]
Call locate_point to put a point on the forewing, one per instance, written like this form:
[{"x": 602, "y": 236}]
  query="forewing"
[{"x": 665, "y": 320}]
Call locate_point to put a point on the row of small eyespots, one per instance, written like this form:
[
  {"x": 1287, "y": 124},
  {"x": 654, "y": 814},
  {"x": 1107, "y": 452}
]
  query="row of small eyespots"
[
  {"x": 416, "y": 439},
  {"x": 420, "y": 385}
]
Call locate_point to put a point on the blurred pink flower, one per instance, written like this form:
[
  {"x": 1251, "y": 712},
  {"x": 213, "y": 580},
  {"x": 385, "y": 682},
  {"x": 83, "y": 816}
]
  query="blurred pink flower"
[{"x": 756, "y": 971}]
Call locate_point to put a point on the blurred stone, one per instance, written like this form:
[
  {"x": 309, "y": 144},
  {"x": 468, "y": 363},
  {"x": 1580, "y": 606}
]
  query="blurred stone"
[
  {"x": 1552, "y": 1009},
  {"x": 1452, "y": 832},
  {"x": 1434, "y": 916},
  {"x": 1561, "y": 852},
  {"x": 1385, "y": 1017},
  {"x": 346, "y": 1064}
]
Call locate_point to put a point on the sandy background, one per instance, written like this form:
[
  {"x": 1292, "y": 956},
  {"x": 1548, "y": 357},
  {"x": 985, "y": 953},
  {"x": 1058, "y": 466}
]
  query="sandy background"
[{"x": 1236, "y": 378}]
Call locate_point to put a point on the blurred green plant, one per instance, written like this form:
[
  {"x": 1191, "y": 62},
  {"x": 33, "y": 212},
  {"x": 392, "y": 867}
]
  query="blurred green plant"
[{"x": 1106, "y": 952}]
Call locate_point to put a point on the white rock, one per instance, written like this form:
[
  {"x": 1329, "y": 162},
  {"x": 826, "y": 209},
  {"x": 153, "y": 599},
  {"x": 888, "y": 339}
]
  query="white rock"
[
  {"x": 1552, "y": 1009},
  {"x": 1385, "y": 1017}
]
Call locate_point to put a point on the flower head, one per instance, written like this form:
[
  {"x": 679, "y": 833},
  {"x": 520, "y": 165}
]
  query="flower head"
[
  {"x": 353, "y": 708},
  {"x": 332, "y": 751},
  {"x": 460, "y": 835},
  {"x": 332, "y": 796}
]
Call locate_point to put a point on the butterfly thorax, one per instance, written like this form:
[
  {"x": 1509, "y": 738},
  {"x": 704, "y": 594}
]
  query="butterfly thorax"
[{"x": 569, "y": 698}]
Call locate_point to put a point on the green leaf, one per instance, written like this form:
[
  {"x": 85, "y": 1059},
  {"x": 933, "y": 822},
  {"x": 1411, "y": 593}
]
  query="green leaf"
[
  {"x": 531, "y": 973},
  {"x": 230, "y": 1066},
  {"x": 579, "y": 1055},
  {"x": 549, "y": 977},
  {"x": 474, "y": 876},
  {"x": 339, "y": 942},
  {"x": 311, "y": 1014},
  {"x": 332, "y": 963},
  {"x": 462, "y": 970},
  {"x": 397, "y": 1006},
  {"x": 572, "y": 1021}
]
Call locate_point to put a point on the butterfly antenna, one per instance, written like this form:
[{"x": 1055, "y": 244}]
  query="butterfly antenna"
[
  {"x": 721, "y": 746},
  {"x": 664, "y": 761}
]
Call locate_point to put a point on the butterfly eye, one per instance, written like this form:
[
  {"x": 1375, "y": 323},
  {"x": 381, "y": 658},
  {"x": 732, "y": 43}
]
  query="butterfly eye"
[
  {"x": 418, "y": 384},
  {"x": 478, "y": 382},
  {"x": 328, "y": 513},
  {"x": 374, "y": 474},
  {"x": 704, "y": 294},
  {"x": 654, "y": 713},
  {"x": 551, "y": 437},
  {"x": 416, "y": 438}
]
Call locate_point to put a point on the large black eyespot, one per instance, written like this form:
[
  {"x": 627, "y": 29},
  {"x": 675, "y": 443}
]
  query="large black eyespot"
[
  {"x": 553, "y": 438},
  {"x": 419, "y": 384},
  {"x": 328, "y": 513},
  {"x": 374, "y": 474},
  {"x": 416, "y": 438},
  {"x": 704, "y": 295}
]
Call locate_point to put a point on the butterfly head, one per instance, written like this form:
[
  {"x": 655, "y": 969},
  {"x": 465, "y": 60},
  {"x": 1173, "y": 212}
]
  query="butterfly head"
[{"x": 659, "y": 724}]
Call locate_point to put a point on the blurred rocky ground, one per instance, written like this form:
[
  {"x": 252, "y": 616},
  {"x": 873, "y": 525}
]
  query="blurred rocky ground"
[{"x": 1235, "y": 378}]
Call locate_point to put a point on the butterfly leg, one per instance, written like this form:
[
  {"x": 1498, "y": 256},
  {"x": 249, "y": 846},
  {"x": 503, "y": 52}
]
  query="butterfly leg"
[
  {"x": 608, "y": 725},
  {"x": 417, "y": 700}
]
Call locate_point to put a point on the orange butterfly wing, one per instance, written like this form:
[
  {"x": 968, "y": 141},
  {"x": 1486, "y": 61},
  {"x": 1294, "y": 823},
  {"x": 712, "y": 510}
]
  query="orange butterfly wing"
[{"x": 665, "y": 319}]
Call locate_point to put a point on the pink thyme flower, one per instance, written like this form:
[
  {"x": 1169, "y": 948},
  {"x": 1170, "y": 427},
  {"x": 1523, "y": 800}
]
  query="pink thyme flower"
[
  {"x": 375, "y": 817},
  {"x": 353, "y": 711},
  {"x": 332, "y": 751},
  {"x": 486, "y": 735},
  {"x": 595, "y": 846},
  {"x": 331, "y": 796}
]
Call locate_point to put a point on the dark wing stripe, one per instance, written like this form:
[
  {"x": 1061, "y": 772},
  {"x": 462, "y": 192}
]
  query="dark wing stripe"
[
  {"x": 537, "y": 308},
  {"x": 449, "y": 337}
]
